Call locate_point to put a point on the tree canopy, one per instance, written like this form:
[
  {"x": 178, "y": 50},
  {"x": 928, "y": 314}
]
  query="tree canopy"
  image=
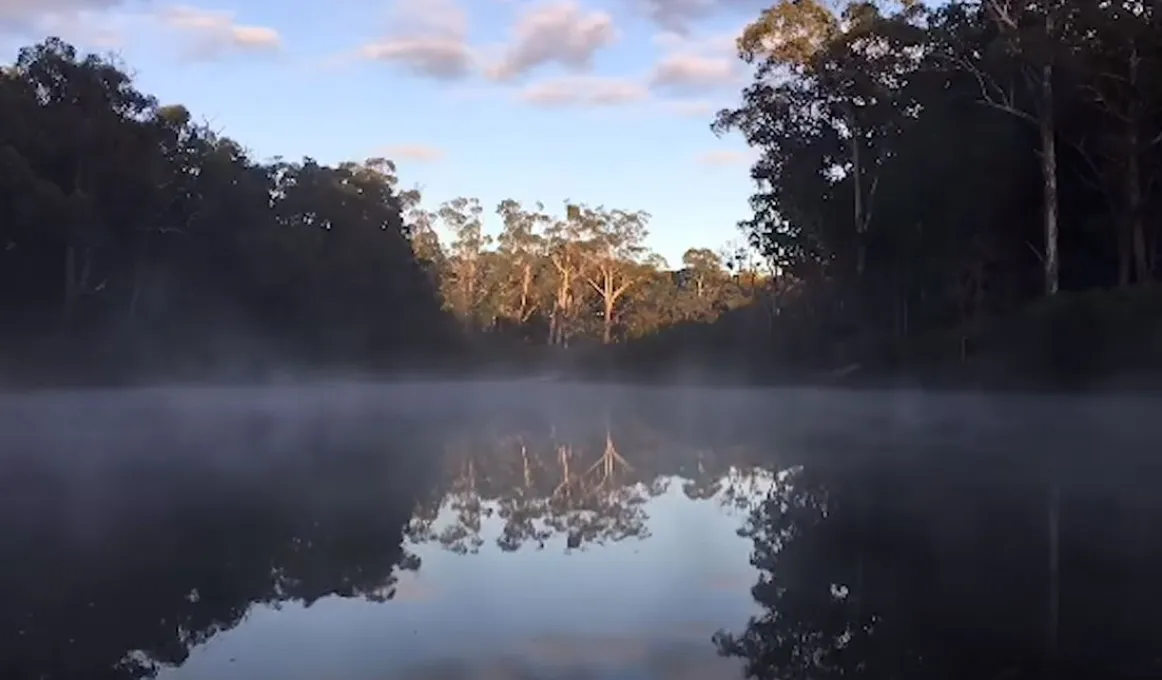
[{"x": 930, "y": 169}]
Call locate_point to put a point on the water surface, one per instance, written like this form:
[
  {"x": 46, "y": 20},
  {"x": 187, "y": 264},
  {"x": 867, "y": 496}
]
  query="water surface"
[{"x": 554, "y": 531}]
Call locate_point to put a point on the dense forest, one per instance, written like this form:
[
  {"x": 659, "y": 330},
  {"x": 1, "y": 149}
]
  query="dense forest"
[{"x": 973, "y": 184}]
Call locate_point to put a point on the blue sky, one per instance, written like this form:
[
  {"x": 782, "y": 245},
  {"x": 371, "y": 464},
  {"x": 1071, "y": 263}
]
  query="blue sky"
[{"x": 601, "y": 101}]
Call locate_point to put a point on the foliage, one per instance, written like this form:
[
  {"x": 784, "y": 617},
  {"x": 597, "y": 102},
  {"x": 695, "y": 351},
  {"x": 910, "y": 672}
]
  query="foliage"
[
  {"x": 136, "y": 239},
  {"x": 584, "y": 276},
  {"x": 168, "y": 568},
  {"x": 921, "y": 564},
  {"x": 902, "y": 189}
]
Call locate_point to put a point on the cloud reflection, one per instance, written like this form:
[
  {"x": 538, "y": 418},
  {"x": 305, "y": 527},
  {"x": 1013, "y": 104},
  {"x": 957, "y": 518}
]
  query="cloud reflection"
[{"x": 558, "y": 657}]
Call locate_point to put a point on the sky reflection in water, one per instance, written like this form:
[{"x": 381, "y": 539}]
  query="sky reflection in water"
[
  {"x": 641, "y": 607},
  {"x": 510, "y": 532}
]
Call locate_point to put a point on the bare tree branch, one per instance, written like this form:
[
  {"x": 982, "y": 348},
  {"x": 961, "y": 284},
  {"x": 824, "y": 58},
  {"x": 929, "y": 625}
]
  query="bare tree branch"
[
  {"x": 992, "y": 94},
  {"x": 1003, "y": 12},
  {"x": 1037, "y": 253}
]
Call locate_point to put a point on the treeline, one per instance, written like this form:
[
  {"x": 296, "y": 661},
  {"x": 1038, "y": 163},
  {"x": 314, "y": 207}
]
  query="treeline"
[
  {"x": 134, "y": 240},
  {"x": 584, "y": 276},
  {"x": 928, "y": 173},
  {"x": 936, "y": 186},
  {"x": 132, "y": 237}
]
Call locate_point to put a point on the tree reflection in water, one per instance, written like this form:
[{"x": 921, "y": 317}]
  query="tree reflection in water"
[
  {"x": 119, "y": 558},
  {"x": 588, "y": 483},
  {"x": 945, "y": 569},
  {"x": 885, "y": 551},
  {"x": 143, "y": 532}
]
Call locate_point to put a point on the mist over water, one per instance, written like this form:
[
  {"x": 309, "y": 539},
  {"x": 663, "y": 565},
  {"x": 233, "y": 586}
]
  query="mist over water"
[{"x": 540, "y": 530}]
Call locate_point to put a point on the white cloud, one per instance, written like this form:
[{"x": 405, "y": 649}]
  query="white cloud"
[
  {"x": 679, "y": 16},
  {"x": 556, "y": 32},
  {"x": 712, "y": 44},
  {"x": 440, "y": 58},
  {"x": 27, "y": 14},
  {"x": 725, "y": 157},
  {"x": 91, "y": 24},
  {"x": 675, "y": 15},
  {"x": 420, "y": 153},
  {"x": 214, "y": 34},
  {"x": 584, "y": 91},
  {"x": 428, "y": 38},
  {"x": 694, "y": 73},
  {"x": 85, "y": 23},
  {"x": 697, "y": 64}
]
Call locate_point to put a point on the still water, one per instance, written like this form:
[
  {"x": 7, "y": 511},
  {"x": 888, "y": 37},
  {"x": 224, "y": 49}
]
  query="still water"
[{"x": 513, "y": 531}]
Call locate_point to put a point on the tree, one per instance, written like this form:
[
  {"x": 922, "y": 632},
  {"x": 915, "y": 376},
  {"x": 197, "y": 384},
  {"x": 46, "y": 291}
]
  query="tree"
[
  {"x": 704, "y": 276},
  {"x": 465, "y": 274},
  {"x": 1033, "y": 33},
  {"x": 827, "y": 86},
  {"x": 565, "y": 248},
  {"x": 614, "y": 245},
  {"x": 1118, "y": 78},
  {"x": 520, "y": 245},
  {"x": 421, "y": 227},
  {"x": 136, "y": 235}
]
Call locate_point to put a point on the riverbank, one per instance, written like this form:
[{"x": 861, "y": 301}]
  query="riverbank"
[{"x": 1092, "y": 341}]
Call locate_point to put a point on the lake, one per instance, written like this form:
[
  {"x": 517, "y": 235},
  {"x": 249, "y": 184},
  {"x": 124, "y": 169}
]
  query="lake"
[{"x": 491, "y": 531}]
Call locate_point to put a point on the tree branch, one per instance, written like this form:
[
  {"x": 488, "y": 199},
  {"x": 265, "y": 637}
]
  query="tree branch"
[
  {"x": 1037, "y": 253},
  {"x": 992, "y": 94},
  {"x": 1087, "y": 158},
  {"x": 599, "y": 289},
  {"x": 1003, "y": 14}
]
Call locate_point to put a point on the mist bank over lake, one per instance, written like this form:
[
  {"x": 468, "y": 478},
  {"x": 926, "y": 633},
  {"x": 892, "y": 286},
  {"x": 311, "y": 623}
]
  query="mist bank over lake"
[{"x": 223, "y": 531}]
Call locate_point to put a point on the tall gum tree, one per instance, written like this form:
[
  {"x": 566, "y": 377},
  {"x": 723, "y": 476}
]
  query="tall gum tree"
[
  {"x": 1033, "y": 34},
  {"x": 826, "y": 104},
  {"x": 1118, "y": 66},
  {"x": 520, "y": 245},
  {"x": 462, "y": 218},
  {"x": 704, "y": 275},
  {"x": 420, "y": 228},
  {"x": 615, "y": 241},
  {"x": 567, "y": 255},
  {"x": 96, "y": 114}
]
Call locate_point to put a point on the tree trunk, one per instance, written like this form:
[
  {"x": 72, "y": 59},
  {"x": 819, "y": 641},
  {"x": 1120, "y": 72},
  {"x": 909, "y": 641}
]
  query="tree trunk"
[
  {"x": 562, "y": 306},
  {"x": 525, "y": 284},
  {"x": 1137, "y": 234},
  {"x": 1134, "y": 177},
  {"x": 1141, "y": 256},
  {"x": 607, "y": 323},
  {"x": 1053, "y": 613},
  {"x": 71, "y": 287},
  {"x": 1049, "y": 179},
  {"x": 1152, "y": 251},
  {"x": 1125, "y": 256},
  {"x": 857, "y": 202},
  {"x": 138, "y": 283}
]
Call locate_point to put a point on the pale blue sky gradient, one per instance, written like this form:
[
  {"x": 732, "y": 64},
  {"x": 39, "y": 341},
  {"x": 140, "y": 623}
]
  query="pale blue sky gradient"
[{"x": 353, "y": 79}]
